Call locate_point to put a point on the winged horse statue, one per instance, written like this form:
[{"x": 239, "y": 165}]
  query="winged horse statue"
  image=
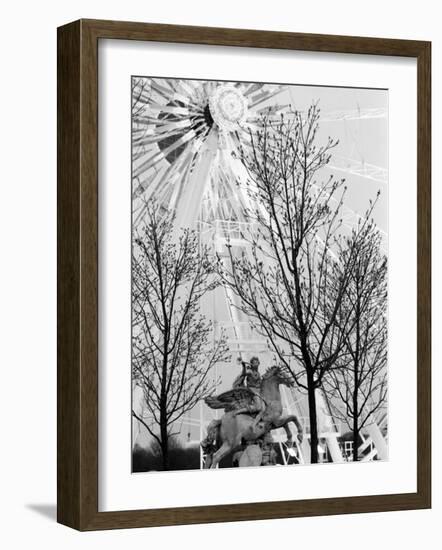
[{"x": 241, "y": 422}]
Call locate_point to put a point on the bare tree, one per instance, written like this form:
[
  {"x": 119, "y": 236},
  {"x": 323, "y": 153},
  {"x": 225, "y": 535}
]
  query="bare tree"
[
  {"x": 286, "y": 281},
  {"x": 141, "y": 95},
  {"x": 141, "y": 125},
  {"x": 173, "y": 345},
  {"x": 358, "y": 390}
]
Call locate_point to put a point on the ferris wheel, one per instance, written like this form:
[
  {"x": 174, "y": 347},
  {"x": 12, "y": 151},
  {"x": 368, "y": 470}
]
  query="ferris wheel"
[{"x": 185, "y": 135}]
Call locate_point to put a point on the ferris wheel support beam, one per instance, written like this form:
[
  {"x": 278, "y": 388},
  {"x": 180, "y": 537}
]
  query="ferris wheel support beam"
[
  {"x": 357, "y": 168},
  {"x": 375, "y": 433},
  {"x": 193, "y": 191},
  {"x": 354, "y": 114}
]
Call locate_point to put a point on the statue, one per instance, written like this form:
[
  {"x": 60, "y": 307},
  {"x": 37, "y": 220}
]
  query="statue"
[{"x": 250, "y": 413}]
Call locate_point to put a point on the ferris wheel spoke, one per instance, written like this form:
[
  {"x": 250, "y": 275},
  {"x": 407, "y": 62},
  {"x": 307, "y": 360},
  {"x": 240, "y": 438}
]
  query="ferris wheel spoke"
[
  {"x": 162, "y": 88},
  {"x": 161, "y": 155},
  {"x": 176, "y": 175},
  {"x": 245, "y": 139},
  {"x": 253, "y": 87},
  {"x": 272, "y": 110},
  {"x": 265, "y": 95},
  {"x": 166, "y": 174},
  {"x": 145, "y": 120},
  {"x": 229, "y": 178},
  {"x": 185, "y": 86},
  {"x": 172, "y": 109},
  {"x": 166, "y": 83},
  {"x": 139, "y": 96},
  {"x": 231, "y": 200},
  {"x": 170, "y": 131}
]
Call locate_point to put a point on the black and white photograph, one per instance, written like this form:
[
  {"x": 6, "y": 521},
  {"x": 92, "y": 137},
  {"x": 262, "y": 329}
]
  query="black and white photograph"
[{"x": 259, "y": 274}]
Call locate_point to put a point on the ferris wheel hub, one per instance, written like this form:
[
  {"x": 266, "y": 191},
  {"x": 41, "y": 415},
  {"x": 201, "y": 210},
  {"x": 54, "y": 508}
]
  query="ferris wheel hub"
[{"x": 228, "y": 107}]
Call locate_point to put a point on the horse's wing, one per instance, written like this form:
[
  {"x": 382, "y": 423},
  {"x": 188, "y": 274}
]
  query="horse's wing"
[
  {"x": 214, "y": 403},
  {"x": 231, "y": 400}
]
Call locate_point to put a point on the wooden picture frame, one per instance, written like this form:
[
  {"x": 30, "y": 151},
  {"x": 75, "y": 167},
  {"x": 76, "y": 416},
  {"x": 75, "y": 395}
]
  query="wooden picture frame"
[{"x": 77, "y": 226}]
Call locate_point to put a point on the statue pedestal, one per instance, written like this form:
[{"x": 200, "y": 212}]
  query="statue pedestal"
[{"x": 252, "y": 456}]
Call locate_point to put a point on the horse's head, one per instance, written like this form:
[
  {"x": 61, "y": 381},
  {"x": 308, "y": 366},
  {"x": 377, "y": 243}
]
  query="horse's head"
[{"x": 278, "y": 375}]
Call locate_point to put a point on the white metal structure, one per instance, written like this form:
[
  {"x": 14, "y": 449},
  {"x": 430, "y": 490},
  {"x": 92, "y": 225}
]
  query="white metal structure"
[{"x": 358, "y": 168}]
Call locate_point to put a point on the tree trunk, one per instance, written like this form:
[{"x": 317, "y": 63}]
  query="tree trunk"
[
  {"x": 164, "y": 440},
  {"x": 355, "y": 438},
  {"x": 313, "y": 421},
  {"x": 356, "y": 377},
  {"x": 165, "y": 454}
]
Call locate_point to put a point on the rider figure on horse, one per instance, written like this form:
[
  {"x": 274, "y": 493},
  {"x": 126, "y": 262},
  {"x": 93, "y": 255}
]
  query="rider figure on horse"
[{"x": 251, "y": 378}]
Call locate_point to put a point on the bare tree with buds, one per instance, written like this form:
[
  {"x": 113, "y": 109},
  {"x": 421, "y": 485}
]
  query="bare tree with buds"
[
  {"x": 358, "y": 390},
  {"x": 173, "y": 349},
  {"x": 291, "y": 282}
]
